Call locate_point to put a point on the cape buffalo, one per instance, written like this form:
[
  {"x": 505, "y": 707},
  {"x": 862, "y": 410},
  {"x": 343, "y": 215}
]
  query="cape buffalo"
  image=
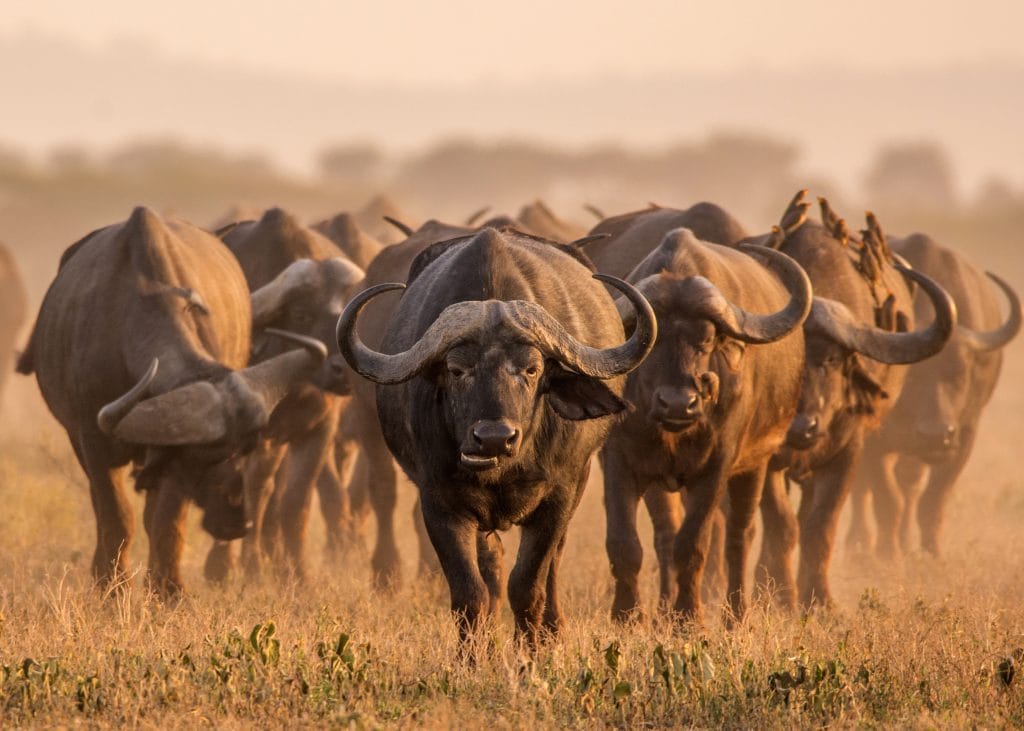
[
  {"x": 537, "y": 218},
  {"x": 496, "y": 378},
  {"x": 359, "y": 246},
  {"x": 857, "y": 339},
  {"x": 932, "y": 427},
  {"x": 713, "y": 401},
  {"x": 372, "y": 218},
  {"x": 629, "y": 237},
  {"x": 13, "y": 306},
  {"x": 140, "y": 350},
  {"x": 310, "y": 279}
]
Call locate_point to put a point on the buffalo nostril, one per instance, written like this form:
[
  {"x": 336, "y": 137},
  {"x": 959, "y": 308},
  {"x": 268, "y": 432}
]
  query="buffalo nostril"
[
  {"x": 494, "y": 439},
  {"x": 693, "y": 405}
]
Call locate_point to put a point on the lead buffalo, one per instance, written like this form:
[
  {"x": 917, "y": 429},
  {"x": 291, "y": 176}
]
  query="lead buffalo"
[
  {"x": 858, "y": 337},
  {"x": 933, "y": 425},
  {"x": 140, "y": 350},
  {"x": 496, "y": 379},
  {"x": 713, "y": 400}
]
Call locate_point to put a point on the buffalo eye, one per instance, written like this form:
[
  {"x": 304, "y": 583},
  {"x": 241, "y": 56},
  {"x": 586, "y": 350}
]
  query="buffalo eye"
[{"x": 532, "y": 371}]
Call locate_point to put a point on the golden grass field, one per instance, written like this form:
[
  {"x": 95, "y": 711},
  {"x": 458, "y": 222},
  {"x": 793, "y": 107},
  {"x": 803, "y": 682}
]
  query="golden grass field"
[{"x": 922, "y": 644}]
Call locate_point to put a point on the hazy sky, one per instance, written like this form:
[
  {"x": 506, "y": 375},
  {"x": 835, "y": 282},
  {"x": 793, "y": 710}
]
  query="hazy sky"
[{"x": 455, "y": 41}]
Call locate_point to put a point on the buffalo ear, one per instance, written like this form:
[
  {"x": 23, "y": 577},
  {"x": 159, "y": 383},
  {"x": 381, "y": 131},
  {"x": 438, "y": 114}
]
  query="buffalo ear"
[{"x": 577, "y": 397}]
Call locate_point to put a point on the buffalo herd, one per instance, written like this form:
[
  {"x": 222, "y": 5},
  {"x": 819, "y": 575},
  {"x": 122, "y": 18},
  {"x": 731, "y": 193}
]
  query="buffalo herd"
[{"x": 713, "y": 374}]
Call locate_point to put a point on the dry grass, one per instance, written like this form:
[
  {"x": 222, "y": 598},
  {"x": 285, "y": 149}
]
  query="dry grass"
[{"x": 916, "y": 645}]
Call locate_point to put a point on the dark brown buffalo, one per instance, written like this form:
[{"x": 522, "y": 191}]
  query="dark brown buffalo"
[
  {"x": 631, "y": 236},
  {"x": 859, "y": 336},
  {"x": 140, "y": 350},
  {"x": 13, "y": 310},
  {"x": 496, "y": 377},
  {"x": 359, "y": 246},
  {"x": 713, "y": 403},
  {"x": 932, "y": 427},
  {"x": 300, "y": 282}
]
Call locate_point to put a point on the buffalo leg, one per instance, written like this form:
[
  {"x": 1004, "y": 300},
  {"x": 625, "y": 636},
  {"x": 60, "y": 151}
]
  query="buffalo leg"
[
  {"x": 912, "y": 477},
  {"x": 115, "y": 523},
  {"x": 258, "y": 479},
  {"x": 775, "y": 567},
  {"x": 879, "y": 474},
  {"x": 552, "y": 618},
  {"x": 428, "y": 558},
  {"x": 334, "y": 506},
  {"x": 818, "y": 523},
  {"x": 490, "y": 560},
  {"x": 271, "y": 540},
  {"x": 694, "y": 539},
  {"x": 167, "y": 540},
  {"x": 622, "y": 541},
  {"x": 552, "y": 607},
  {"x": 931, "y": 512},
  {"x": 744, "y": 499},
  {"x": 528, "y": 583},
  {"x": 220, "y": 562},
  {"x": 858, "y": 537},
  {"x": 306, "y": 456},
  {"x": 455, "y": 540},
  {"x": 382, "y": 487},
  {"x": 666, "y": 511}
]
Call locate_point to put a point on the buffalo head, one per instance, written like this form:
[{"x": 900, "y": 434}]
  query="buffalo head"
[
  {"x": 305, "y": 298},
  {"x": 942, "y": 389},
  {"x": 196, "y": 435},
  {"x": 495, "y": 363},
  {"x": 836, "y": 382},
  {"x": 702, "y": 338}
]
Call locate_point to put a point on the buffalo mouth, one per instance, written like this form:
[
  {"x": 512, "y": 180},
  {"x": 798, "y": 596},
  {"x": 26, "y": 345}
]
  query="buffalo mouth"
[
  {"x": 478, "y": 462},
  {"x": 802, "y": 441},
  {"x": 677, "y": 424}
]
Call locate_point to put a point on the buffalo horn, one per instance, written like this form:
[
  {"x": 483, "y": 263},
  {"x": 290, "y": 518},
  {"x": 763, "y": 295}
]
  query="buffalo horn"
[
  {"x": 203, "y": 412},
  {"x": 995, "y": 339},
  {"x": 111, "y": 414},
  {"x": 893, "y": 348},
  {"x": 463, "y": 320}
]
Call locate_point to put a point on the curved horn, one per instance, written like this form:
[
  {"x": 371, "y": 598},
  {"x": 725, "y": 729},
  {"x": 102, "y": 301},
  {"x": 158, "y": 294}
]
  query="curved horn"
[
  {"x": 370, "y": 364},
  {"x": 235, "y": 406},
  {"x": 399, "y": 225},
  {"x": 551, "y": 336},
  {"x": 760, "y": 329},
  {"x": 477, "y": 215},
  {"x": 837, "y": 322},
  {"x": 313, "y": 346},
  {"x": 984, "y": 341},
  {"x": 268, "y": 300},
  {"x": 110, "y": 415},
  {"x": 463, "y": 318}
]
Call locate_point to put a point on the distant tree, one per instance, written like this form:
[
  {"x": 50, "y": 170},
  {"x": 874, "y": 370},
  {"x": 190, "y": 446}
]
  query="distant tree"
[
  {"x": 356, "y": 162},
  {"x": 914, "y": 175}
]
